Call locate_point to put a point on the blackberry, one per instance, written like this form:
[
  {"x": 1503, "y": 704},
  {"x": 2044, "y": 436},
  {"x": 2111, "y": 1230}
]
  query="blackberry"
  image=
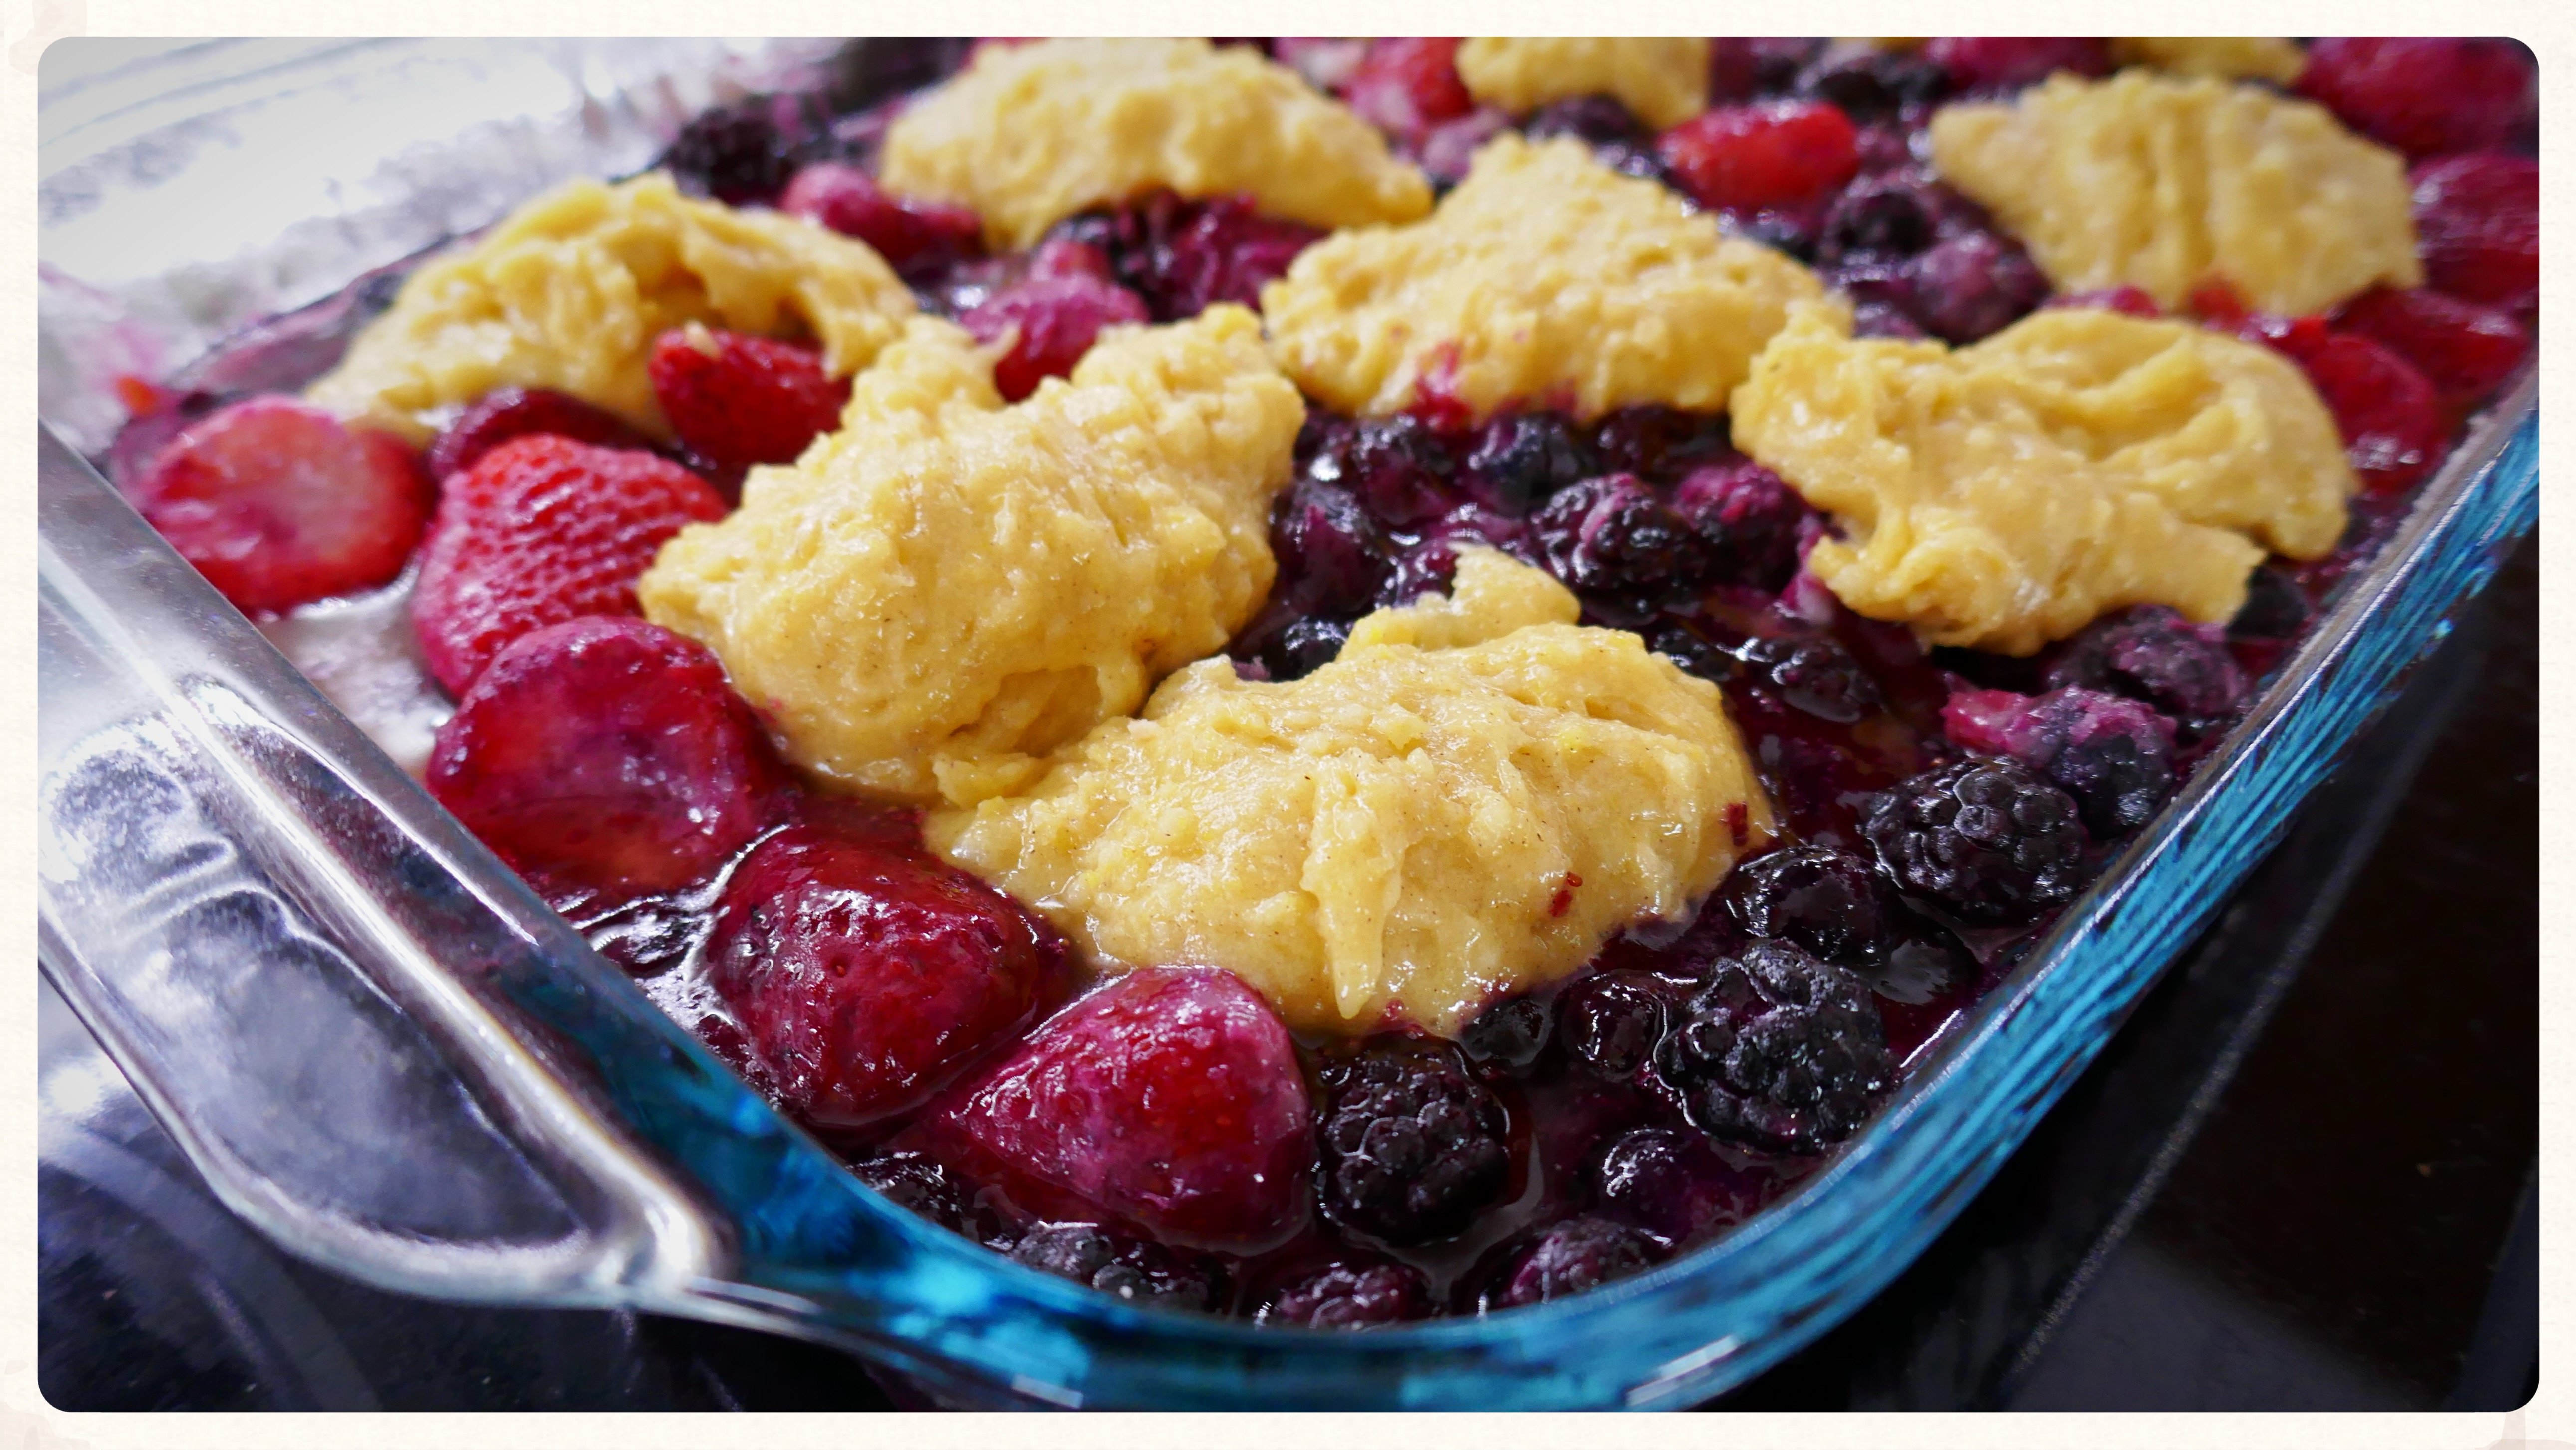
[
  {"x": 1828, "y": 902},
  {"x": 1569, "y": 1258},
  {"x": 1871, "y": 84},
  {"x": 744, "y": 152},
  {"x": 1747, "y": 520},
  {"x": 1612, "y": 539},
  {"x": 1396, "y": 467},
  {"x": 1133, "y": 1269},
  {"x": 1411, "y": 1144},
  {"x": 1658, "y": 442},
  {"x": 1182, "y": 254},
  {"x": 1331, "y": 554},
  {"x": 1520, "y": 460},
  {"x": 1617, "y": 138},
  {"x": 1610, "y": 1023},
  {"x": 1685, "y": 647},
  {"x": 1881, "y": 216},
  {"x": 1926, "y": 962},
  {"x": 1814, "y": 673},
  {"x": 1741, "y": 69},
  {"x": 2113, "y": 755},
  {"x": 2151, "y": 653},
  {"x": 1973, "y": 285},
  {"x": 1348, "y": 1297},
  {"x": 1779, "y": 1051},
  {"x": 918, "y": 1182},
  {"x": 2275, "y": 607},
  {"x": 1988, "y": 840},
  {"x": 1308, "y": 643},
  {"x": 1508, "y": 1036},
  {"x": 1672, "y": 1182}
]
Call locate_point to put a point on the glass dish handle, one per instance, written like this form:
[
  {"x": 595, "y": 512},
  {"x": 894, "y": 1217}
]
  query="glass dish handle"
[{"x": 267, "y": 925}]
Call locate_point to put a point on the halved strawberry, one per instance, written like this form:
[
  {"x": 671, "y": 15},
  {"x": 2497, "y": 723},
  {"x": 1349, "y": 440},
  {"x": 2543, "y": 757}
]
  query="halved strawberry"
[
  {"x": 737, "y": 400},
  {"x": 916, "y": 238},
  {"x": 506, "y": 413}
]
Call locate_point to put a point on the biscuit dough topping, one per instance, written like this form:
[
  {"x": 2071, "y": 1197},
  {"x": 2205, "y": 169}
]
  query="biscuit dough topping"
[
  {"x": 1663, "y": 80},
  {"x": 948, "y": 588},
  {"x": 2162, "y": 183},
  {"x": 1466, "y": 803},
  {"x": 2235, "y": 57},
  {"x": 2005, "y": 494}
]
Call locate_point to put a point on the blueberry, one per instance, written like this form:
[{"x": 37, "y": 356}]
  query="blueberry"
[
  {"x": 1396, "y": 467},
  {"x": 1519, "y": 460},
  {"x": 1746, "y": 518},
  {"x": 1331, "y": 554},
  {"x": 1870, "y": 83},
  {"x": 2275, "y": 607},
  {"x": 1888, "y": 216},
  {"x": 1306, "y": 645},
  {"x": 1657, "y": 442},
  {"x": 1509, "y": 1035},
  {"x": 1610, "y": 1023}
]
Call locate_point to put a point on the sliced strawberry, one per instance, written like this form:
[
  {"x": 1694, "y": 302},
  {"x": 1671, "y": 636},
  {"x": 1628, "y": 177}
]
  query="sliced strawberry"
[
  {"x": 737, "y": 400},
  {"x": 915, "y": 237},
  {"x": 1053, "y": 322},
  {"x": 541, "y": 530},
  {"x": 1170, "y": 1099},
  {"x": 506, "y": 413},
  {"x": 2466, "y": 349},
  {"x": 1774, "y": 154},
  {"x": 279, "y": 503},
  {"x": 606, "y": 756},
  {"x": 866, "y": 975}
]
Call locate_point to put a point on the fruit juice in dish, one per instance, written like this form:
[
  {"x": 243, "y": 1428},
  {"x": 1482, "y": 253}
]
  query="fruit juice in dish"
[{"x": 1155, "y": 1128}]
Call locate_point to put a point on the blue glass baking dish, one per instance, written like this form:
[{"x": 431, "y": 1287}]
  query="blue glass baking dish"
[{"x": 382, "y": 1049}]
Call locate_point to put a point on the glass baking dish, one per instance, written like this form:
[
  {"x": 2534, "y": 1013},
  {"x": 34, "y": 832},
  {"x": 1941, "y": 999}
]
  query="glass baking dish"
[{"x": 387, "y": 1053}]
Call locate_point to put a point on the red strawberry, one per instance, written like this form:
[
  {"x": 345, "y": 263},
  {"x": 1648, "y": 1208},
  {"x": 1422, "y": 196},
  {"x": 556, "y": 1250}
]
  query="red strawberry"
[
  {"x": 1056, "y": 320},
  {"x": 538, "y": 531},
  {"x": 278, "y": 503},
  {"x": 1407, "y": 86},
  {"x": 1778, "y": 153},
  {"x": 2000, "y": 64},
  {"x": 866, "y": 975},
  {"x": 737, "y": 400},
  {"x": 915, "y": 237},
  {"x": 2424, "y": 95},
  {"x": 506, "y": 413},
  {"x": 2393, "y": 429},
  {"x": 605, "y": 755},
  {"x": 2466, "y": 349},
  {"x": 1170, "y": 1098},
  {"x": 2477, "y": 225}
]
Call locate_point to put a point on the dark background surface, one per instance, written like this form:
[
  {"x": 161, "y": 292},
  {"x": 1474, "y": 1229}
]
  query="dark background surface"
[{"x": 2300, "y": 1178}]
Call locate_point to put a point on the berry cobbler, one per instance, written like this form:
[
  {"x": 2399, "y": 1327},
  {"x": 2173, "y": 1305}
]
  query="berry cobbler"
[{"x": 1343, "y": 681}]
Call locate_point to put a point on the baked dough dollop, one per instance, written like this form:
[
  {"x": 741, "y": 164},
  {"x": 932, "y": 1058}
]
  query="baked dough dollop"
[
  {"x": 1467, "y": 802},
  {"x": 1663, "y": 81},
  {"x": 2235, "y": 57},
  {"x": 2004, "y": 494},
  {"x": 1030, "y": 134},
  {"x": 1546, "y": 277},
  {"x": 2164, "y": 183},
  {"x": 569, "y": 291},
  {"x": 947, "y": 588}
]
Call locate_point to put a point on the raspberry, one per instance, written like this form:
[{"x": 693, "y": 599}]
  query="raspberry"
[
  {"x": 1520, "y": 460},
  {"x": 2390, "y": 417},
  {"x": 1747, "y": 521},
  {"x": 1972, "y": 286},
  {"x": 1814, "y": 673},
  {"x": 2151, "y": 653},
  {"x": 2424, "y": 95},
  {"x": 2113, "y": 755},
  {"x": 541, "y": 530},
  {"x": 1052, "y": 322},
  {"x": 867, "y": 975},
  {"x": 1412, "y": 1146},
  {"x": 1170, "y": 1098},
  {"x": 1657, "y": 442},
  {"x": 1508, "y": 1036},
  {"x": 1611, "y": 536},
  {"x": 278, "y": 503},
  {"x": 918, "y": 239},
  {"x": 1569, "y": 1258},
  {"x": 1988, "y": 840},
  {"x": 1776, "y": 153},
  {"x": 1673, "y": 1183},
  {"x": 1407, "y": 86},
  {"x": 743, "y": 152},
  {"x": 2007, "y": 64},
  {"x": 1870, "y": 83},
  {"x": 1396, "y": 467},
  {"x": 605, "y": 755},
  {"x": 1347, "y": 1297},
  {"x": 1778, "y": 1051},
  {"x": 1331, "y": 555},
  {"x": 1116, "y": 1264},
  {"x": 2466, "y": 350},
  {"x": 506, "y": 413},
  {"x": 2128, "y": 301},
  {"x": 1611, "y": 1022},
  {"x": 737, "y": 400},
  {"x": 928, "y": 1190},
  {"x": 2477, "y": 226},
  {"x": 1826, "y": 901}
]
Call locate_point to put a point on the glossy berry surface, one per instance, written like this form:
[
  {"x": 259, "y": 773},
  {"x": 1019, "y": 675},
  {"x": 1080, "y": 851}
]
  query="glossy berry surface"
[
  {"x": 1569, "y": 1258},
  {"x": 1408, "y": 85},
  {"x": 915, "y": 238},
  {"x": 1412, "y": 1145},
  {"x": 1351, "y": 1297},
  {"x": 921, "y": 1185},
  {"x": 866, "y": 975},
  {"x": 1397, "y": 468},
  {"x": 506, "y": 413},
  {"x": 2392, "y": 421},
  {"x": 278, "y": 503},
  {"x": 1170, "y": 1098},
  {"x": 542, "y": 530},
  {"x": 1673, "y": 1183},
  {"x": 1520, "y": 460},
  {"x": 737, "y": 400},
  {"x": 1989, "y": 841},
  {"x": 1746, "y": 158},
  {"x": 1660, "y": 443},
  {"x": 2151, "y": 653},
  {"x": 1747, "y": 520},
  {"x": 1872, "y": 83},
  {"x": 1612, "y": 536},
  {"x": 740, "y": 153},
  {"x": 2477, "y": 227},
  {"x": 1508, "y": 1036},
  {"x": 1617, "y": 138},
  {"x": 1778, "y": 1051},
  {"x": 1824, "y": 900},
  {"x": 1331, "y": 554},
  {"x": 2112, "y": 754},
  {"x": 2424, "y": 95},
  {"x": 2465, "y": 349},
  {"x": 1814, "y": 673},
  {"x": 604, "y": 755},
  {"x": 1121, "y": 1265},
  {"x": 1610, "y": 1022}
]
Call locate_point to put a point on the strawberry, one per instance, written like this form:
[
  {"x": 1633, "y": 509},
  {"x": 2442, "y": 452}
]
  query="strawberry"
[
  {"x": 1773, "y": 154},
  {"x": 605, "y": 756},
  {"x": 865, "y": 975},
  {"x": 2477, "y": 223},
  {"x": 916, "y": 238},
  {"x": 2466, "y": 349},
  {"x": 541, "y": 530},
  {"x": 1052, "y": 321},
  {"x": 737, "y": 400},
  {"x": 2424, "y": 95},
  {"x": 279, "y": 503},
  {"x": 1170, "y": 1098},
  {"x": 1407, "y": 86},
  {"x": 2392, "y": 423},
  {"x": 506, "y": 413}
]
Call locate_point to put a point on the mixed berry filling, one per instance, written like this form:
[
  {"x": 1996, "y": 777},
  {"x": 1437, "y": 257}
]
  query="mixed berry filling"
[{"x": 1163, "y": 1137}]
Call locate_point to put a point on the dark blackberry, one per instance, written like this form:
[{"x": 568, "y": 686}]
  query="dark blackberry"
[
  {"x": 1879, "y": 216},
  {"x": 1569, "y": 1258},
  {"x": 1870, "y": 83},
  {"x": 2113, "y": 755},
  {"x": 1685, "y": 647},
  {"x": 2151, "y": 653},
  {"x": 1672, "y": 1182},
  {"x": 1813, "y": 673},
  {"x": 1520, "y": 460},
  {"x": 1973, "y": 285},
  {"x": 1620, "y": 141},
  {"x": 1926, "y": 962},
  {"x": 1610, "y": 1023},
  {"x": 1508, "y": 1036},
  {"x": 1331, "y": 554},
  {"x": 1779, "y": 1051},
  {"x": 1411, "y": 1144},
  {"x": 1181, "y": 254},
  {"x": 920, "y": 1183},
  {"x": 1988, "y": 840},
  {"x": 885, "y": 67},
  {"x": 1611, "y": 538},
  {"x": 1657, "y": 442},
  {"x": 1305, "y": 645},
  {"x": 1741, "y": 69},
  {"x": 2275, "y": 607},
  {"x": 1827, "y": 901},
  {"x": 1397, "y": 468},
  {"x": 744, "y": 152},
  {"x": 1746, "y": 518},
  {"x": 1348, "y": 1297},
  {"x": 1133, "y": 1269}
]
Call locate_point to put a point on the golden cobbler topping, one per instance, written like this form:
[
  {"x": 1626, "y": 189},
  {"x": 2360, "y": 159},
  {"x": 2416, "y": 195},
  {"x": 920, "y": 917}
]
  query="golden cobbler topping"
[
  {"x": 2002, "y": 495},
  {"x": 2162, "y": 183},
  {"x": 1662, "y": 81},
  {"x": 2235, "y": 57},
  {"x": 1545, "y": 277},
  {"x": 1410, "y": 831},
  {"x": 1031, "y": 134},
  {"x": 947, "y": 588},
  {"x": 570, "y": 290}
]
